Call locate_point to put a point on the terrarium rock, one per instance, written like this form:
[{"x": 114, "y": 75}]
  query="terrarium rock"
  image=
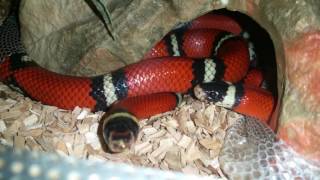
[{"x": 66, "y": 36}]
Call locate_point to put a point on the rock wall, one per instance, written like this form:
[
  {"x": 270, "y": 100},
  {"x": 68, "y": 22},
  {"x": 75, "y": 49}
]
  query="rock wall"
[
  {"x": 67, "y": 37},
  {"x": 4, "y": 9},
  {"x": 58, "y": 34}
]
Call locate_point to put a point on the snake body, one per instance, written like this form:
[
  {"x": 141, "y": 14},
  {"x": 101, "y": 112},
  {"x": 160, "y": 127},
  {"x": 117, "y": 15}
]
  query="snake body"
[{"x": 210, "y": 53}]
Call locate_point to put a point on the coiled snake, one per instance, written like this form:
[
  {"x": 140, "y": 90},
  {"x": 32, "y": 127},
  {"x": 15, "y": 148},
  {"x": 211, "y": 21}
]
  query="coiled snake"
[{"x": 205, "y": 59}]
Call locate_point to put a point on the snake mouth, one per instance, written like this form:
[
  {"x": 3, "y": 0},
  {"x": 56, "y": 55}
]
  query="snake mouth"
[
  {"x": 120, "y": 141},
  {"x": 120, "y": 131}
]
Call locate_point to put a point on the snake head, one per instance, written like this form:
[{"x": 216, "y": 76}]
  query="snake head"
[{"x": 120, "y": 131}]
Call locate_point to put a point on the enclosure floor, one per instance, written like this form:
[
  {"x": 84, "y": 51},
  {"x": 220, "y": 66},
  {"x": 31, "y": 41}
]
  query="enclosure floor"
[{"x": 187, "y": 139}]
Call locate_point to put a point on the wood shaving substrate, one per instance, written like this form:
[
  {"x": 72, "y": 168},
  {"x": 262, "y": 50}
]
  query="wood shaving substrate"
[{"x": 187, "y": 139}]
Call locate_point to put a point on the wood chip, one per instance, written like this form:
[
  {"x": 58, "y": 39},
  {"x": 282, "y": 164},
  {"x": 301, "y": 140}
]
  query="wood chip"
[
  {"x": 190, "y": 169},
  {"x": 19, "y": 142},
  {"x": 201, "y": 167},
  {"x": 164, "y": 166},
  {"x": 61, "y": 146},
  {"x": 84, "y": 112},
  {"x": 149, "y": 130},
  {"x": 165, "y": 145},
  {"x": 31, "y": 132},
  {"x": 7, "y": 105},
  {"x": 142, "y": 148},
  {"x": 187, "y": 139},
  {"x": 79, "y": 150},
  {"x": 184, "y": 141},
  {"x": 76, "y": 111},
  {"x": 13, "y": 128},
  {"x": 94, "y": 127},
  {"x": 31, "y": 122},
  {"x": 83, "y": 128},
  {"x": 191, "y": 128},
  {"x": 200, "y": 120},
  {"x": 171, "y": 123},
  {"x": 174, "y": 133},
  {"x": 210, "y": 143},
  {"x": 43, "y": 142},
  {"x": 208, "y": 113},
  {"x": 192, "y": 152},
  {"x": 11, "y": 115},
  {"x": 93, "y": 140},
  {"x": 32, "y": 144},
  {"x": 158, "y": 134},
  {"x": 183, "y": 117},
  {"x": 3, "y": 126},
  {"x": 173, "y": 160}
]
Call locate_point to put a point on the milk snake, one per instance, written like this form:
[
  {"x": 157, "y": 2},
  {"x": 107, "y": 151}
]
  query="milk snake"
[{"x": 208, "y": 58}]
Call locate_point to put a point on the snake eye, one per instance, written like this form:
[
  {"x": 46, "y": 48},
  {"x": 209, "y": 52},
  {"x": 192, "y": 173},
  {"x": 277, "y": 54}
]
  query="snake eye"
[{"x": 120, "y": 130}]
